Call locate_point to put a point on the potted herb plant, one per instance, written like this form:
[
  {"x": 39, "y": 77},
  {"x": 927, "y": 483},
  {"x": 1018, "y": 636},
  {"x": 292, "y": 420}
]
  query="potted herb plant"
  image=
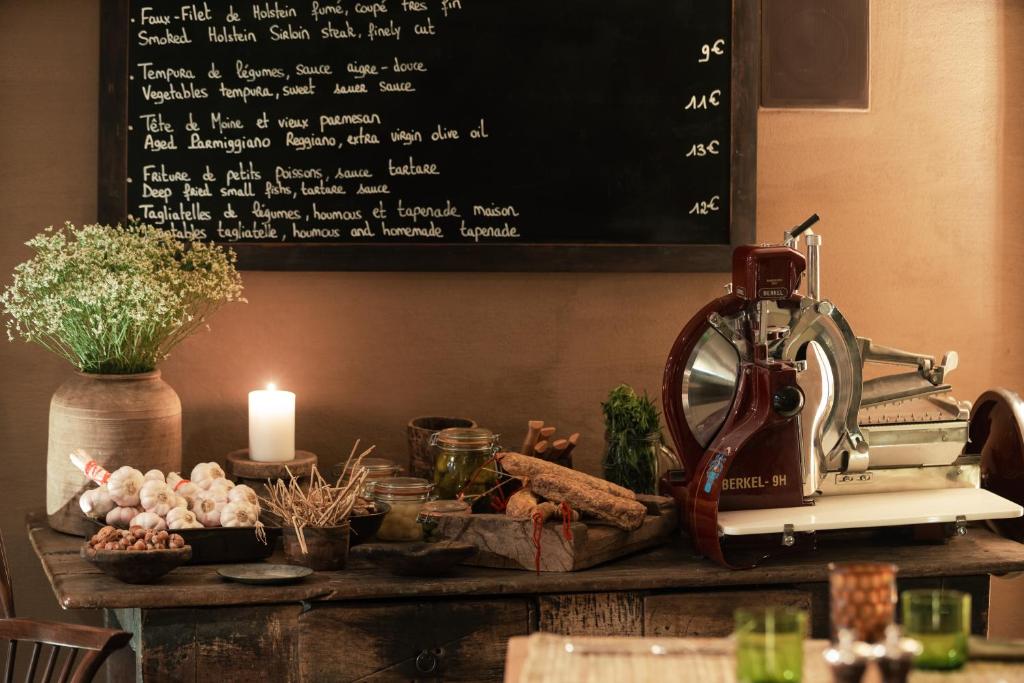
[
  {"x": 113, "y": 301},
  {"x": 633, "y": 442}
]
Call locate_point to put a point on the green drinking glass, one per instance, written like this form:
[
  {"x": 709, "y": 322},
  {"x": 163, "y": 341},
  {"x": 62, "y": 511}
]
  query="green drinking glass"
[
  {"x": 770, "y": 645},
  {"x": 941, "y": 621}
]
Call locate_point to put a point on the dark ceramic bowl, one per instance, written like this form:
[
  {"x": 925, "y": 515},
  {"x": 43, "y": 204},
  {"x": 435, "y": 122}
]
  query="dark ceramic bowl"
[
  {"x": 137, "y": 566},
  {"x": 364, "y": 527}
]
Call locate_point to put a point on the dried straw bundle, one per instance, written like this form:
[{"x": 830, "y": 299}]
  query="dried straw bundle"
[{"x": 321, "y": 504}]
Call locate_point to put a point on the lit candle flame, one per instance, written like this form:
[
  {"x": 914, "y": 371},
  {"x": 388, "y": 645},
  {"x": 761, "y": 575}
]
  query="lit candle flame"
[{"x": 271, "y": 386}]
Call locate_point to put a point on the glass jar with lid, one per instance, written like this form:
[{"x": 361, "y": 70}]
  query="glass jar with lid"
[
  {"x": 405, "y": 495},
  {"x": 432, "y": 512},
  {"x": 376, "y": 469},
  {"x": 463, "y": 463}
]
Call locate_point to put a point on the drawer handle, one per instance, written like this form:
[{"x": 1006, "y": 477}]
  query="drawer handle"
[{"x": 428, "y": 661}]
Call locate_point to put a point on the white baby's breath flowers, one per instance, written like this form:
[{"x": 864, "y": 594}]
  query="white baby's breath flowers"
[{"x": 113, "y": 299}]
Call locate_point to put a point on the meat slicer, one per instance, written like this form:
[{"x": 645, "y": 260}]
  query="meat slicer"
[{"x": 784, "y": 427}]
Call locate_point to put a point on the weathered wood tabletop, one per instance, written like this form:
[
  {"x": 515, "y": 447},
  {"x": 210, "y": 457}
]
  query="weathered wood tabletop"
[
  {"x": 77, "y": 584},
  {"x": 194, "y": 626}
]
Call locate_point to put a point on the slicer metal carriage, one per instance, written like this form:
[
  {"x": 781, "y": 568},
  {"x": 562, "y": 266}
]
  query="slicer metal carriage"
[{"x": 781, "y": 431}]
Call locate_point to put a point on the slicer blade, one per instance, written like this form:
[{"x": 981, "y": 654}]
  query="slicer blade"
[
  {"x": 709, "y": 385},
  {"x": 917, "y": 409}
]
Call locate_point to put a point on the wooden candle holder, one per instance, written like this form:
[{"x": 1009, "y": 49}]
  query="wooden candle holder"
[{"x": 240, "y": 469}]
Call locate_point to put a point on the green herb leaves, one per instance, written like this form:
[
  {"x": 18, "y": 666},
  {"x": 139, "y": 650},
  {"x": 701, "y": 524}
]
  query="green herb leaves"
[{"x": 633, "y": 439}]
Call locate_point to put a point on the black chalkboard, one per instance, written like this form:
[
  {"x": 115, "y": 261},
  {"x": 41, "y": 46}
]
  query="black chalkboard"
[{"x": 435, "y": 134}]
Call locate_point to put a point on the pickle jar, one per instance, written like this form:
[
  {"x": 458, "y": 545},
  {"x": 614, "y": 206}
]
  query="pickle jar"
[
  {"x": 376, "y": 470},
  {"x": 463, "y": 465},
  {"x": 405, "y": 495}
]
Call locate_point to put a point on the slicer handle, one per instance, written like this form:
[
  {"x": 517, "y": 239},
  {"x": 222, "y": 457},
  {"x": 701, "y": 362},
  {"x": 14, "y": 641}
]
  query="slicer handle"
[
  {"x": 803, "y": 227},
  {"x": 950, "y": 362}
]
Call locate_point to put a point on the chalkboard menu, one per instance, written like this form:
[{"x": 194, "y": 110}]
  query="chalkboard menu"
[{"x": 435, "y": 134}]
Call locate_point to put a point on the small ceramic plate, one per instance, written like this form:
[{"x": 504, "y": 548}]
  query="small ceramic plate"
[{"x": 264, "y": 574}]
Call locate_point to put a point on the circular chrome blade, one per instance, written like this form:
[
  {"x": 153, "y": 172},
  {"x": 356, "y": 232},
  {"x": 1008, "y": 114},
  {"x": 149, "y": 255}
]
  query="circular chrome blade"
[{"x": 709, "y": 385}]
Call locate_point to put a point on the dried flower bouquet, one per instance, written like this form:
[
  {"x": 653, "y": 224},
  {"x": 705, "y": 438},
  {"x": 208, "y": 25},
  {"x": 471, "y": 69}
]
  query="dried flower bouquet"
[{"x": 116, "y": 300}]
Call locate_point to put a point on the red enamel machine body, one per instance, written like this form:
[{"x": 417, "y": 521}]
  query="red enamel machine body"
[{"x": 780, "y": 436}]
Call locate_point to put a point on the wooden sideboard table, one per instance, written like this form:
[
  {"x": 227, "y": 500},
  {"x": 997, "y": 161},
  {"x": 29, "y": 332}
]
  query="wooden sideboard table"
[{"x": 362, "y": 625}]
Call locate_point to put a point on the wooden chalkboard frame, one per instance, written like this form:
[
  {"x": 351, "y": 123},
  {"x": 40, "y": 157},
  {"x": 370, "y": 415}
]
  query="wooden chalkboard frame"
[{"x": 746, "y": 23}]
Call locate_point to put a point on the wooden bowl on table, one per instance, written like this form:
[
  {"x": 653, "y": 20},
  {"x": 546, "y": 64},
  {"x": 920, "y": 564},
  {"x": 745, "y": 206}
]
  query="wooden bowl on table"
[{"x": 136, "y": 566}]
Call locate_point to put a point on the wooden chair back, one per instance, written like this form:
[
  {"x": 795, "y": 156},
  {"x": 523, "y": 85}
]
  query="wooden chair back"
[
  {"x": 73, "y": 651},
  {"x": 6, "y": 592}
]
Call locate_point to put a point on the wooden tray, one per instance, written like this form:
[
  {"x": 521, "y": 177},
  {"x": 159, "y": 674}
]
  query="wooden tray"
[
  {"x": 220, "y": 545},
  {"x": 508, "y": 543}
]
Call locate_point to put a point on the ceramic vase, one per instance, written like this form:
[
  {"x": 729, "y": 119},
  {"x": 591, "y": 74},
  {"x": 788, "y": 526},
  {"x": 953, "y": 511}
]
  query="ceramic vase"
[{"x": 118, "y": 420}]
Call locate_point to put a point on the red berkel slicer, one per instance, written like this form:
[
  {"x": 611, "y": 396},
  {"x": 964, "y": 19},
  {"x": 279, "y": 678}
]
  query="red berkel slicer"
[{"x": 780, "y": 435}]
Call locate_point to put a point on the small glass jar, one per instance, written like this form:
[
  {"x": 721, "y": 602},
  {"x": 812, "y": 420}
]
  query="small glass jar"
[
  {"x": 405, "y": 495},
  {"x": 463, "y": 462},
  {"x": 433, "y": 511},
  {"x": 376, "y": 470}
]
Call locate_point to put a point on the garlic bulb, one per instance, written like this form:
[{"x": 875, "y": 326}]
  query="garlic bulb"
[
  {"x": 205, "y": 471},
  {"x": 121, "y": 516},
  {"x": 185, "y": 520},
  {"x": 182, "y": 487},
  {"x": 181, "y": 502},
  {"x": 96, "y": 502},
  {"x": 154, "y": 474},
  {"x": 156, "y": 496},
  {"x": 124, "y": 485},
  {"x": 239, "y": 513},
  {"x": 208, "y": 506},
  {"x": 222, "y": 482},
  {"x": 148, "y": 520},
  {"x": 245, "y": 494},
  {"x": 177, "y": 513}
]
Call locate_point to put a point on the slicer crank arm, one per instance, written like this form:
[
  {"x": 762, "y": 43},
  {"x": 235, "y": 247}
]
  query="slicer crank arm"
[{"x": 926, "y": 367}]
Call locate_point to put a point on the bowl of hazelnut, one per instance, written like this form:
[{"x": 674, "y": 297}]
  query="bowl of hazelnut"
[{"x": 136, "y": 555}]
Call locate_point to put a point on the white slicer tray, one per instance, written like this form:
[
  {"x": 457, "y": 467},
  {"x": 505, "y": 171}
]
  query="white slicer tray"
[{"x": 871, "y": 510}]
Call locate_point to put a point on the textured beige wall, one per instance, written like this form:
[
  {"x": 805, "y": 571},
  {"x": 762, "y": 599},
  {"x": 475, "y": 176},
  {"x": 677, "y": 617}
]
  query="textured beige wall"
[{"x": 921, "y": 203}]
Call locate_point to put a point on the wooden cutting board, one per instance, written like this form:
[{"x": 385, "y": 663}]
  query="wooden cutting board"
[{"x": 507, "y": 543}]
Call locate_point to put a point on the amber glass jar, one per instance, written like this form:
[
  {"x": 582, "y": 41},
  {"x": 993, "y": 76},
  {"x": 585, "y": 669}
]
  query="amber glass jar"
[{"x": 463, "y": 463}]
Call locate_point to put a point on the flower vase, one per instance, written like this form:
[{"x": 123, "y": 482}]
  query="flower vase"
[{"x": 118, "y": 420}]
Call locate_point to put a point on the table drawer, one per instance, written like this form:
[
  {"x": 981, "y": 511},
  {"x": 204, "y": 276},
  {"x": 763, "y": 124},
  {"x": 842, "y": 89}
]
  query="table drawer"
[
  {"x": 406, "y": 641},
  {"x": 710, "y": 614}
]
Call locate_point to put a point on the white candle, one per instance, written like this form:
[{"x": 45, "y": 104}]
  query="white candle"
[{"x": 271, "y": 425}]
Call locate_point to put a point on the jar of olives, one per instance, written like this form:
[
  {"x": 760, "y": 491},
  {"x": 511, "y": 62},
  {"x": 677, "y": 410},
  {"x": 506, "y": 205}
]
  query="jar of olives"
[
  {"x": 405, "y": 495},
  {"x": 463, "y": 465}
]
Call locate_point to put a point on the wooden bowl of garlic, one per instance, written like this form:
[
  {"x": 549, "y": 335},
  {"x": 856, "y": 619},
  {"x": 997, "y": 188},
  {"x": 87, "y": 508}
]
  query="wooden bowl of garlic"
[{"x": 136, "y": 555}]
